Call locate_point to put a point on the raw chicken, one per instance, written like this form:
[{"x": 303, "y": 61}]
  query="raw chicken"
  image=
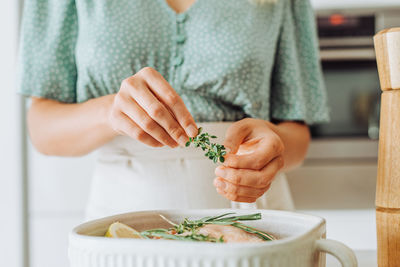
[{"x": 229, "y": 233}]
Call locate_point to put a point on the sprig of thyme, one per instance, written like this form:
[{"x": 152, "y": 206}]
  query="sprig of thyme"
[{"x": 215, "y": 152}]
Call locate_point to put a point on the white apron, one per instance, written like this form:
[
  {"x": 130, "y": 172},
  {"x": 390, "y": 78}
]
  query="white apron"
[{"x": 131, "y": 176}]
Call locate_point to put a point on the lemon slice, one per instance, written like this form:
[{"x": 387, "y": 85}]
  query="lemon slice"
[{"x": 120, "y": 230}]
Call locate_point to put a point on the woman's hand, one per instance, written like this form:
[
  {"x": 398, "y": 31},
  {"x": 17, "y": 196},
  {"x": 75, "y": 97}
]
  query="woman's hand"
[
  {"x": 255, "y": 157},
  {"x": 148, "y": 109}
]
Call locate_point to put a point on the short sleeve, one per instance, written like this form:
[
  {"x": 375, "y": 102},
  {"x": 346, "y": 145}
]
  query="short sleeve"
[
  {"x": 47, "y": 66},
  {"x": 297, "y": 90}
]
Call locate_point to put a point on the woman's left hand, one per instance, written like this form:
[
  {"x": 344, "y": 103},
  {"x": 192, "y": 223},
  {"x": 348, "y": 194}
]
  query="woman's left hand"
[{"x": 255, "y": 157}]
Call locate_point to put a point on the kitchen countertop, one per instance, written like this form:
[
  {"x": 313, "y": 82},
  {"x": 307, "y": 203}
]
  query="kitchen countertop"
[
  {"x": 365, "y": 258},
  {"x": 354, "y": 228}
]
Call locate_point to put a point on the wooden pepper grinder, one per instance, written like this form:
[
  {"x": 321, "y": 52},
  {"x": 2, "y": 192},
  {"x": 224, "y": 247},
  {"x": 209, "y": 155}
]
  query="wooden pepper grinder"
[{"x": 387, "y": 47}]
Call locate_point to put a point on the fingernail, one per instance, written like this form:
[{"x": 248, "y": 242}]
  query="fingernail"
[
  {"x": 220, "y": 184},
  {"x": 182, "y": 140},
  {"x": 192, "y": 131}
]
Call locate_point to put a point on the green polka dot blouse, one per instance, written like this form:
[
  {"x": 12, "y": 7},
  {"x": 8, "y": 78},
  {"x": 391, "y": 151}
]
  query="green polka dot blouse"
[{"x": 227, "y": 59}]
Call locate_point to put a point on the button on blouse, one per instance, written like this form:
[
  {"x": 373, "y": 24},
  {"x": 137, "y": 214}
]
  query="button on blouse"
[{"x": 228, "y": 59}]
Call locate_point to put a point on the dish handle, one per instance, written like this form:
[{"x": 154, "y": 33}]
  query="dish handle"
[{"x": 340, "y": 251}]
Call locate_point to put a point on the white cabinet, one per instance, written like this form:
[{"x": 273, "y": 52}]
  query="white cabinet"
[
  {"x": 58, "y": 185},
  {"x": 337, "y": 184},
  {"x": 58, "y": 190},
  {"x": 337, "y": 174}
]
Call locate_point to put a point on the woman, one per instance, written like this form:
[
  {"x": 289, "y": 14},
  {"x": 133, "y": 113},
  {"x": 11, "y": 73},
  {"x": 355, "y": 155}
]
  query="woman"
[{"x": 134, "y": 77}]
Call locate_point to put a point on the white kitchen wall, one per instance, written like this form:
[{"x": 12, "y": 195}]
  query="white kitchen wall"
[{"x": 11, "y": 238}]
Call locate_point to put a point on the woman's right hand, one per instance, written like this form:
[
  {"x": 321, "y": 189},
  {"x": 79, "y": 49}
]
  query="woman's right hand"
[{"x": 149, "y": 110}]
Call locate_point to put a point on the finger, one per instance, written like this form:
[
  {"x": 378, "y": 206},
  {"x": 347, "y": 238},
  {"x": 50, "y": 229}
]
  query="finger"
[
  {"x": 243, "y": 191},
  {"x": 267, "y": 149},
  {"x": 236, "y": 198},
  {"x": 141, "y": 118},
  {"x": 235, "y": 135},
  {"x": 128, "y": 127},
  {"x": 156, "y": 110},
  {"x": 251, "y": 178},
  {"x": 163, "y": 91}
]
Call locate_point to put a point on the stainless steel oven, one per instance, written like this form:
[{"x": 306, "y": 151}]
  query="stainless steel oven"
[{"x": 350, "y": 72}]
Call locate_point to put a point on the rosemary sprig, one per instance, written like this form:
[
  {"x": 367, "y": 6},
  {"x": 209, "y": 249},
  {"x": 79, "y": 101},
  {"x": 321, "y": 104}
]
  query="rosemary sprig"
[
  {"x": 189, "y": 237},
  {"x": 188, "y": 229},
  {"x": 215, "y": 152}
]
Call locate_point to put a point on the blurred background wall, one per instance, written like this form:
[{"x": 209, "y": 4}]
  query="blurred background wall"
[{"x": 12, "y": 218}]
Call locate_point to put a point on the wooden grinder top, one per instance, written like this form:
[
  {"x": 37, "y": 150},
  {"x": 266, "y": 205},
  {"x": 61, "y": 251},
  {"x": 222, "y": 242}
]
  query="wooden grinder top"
[{"x": 387, "y": 48}]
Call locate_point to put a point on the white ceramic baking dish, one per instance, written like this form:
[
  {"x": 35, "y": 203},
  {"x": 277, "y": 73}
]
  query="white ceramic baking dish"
[{"x": 301, "y": 243}]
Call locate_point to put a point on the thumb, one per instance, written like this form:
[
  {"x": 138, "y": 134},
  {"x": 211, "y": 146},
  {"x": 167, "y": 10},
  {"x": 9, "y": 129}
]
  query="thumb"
[{"x": 235, "y": 135}]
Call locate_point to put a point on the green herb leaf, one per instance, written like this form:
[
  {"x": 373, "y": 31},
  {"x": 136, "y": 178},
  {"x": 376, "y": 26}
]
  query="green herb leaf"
[{"x": 215, "y": 152}]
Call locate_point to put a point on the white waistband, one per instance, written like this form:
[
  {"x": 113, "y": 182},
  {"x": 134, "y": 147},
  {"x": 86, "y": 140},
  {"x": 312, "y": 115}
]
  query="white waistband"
[{"x": 123, "y": 146}]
